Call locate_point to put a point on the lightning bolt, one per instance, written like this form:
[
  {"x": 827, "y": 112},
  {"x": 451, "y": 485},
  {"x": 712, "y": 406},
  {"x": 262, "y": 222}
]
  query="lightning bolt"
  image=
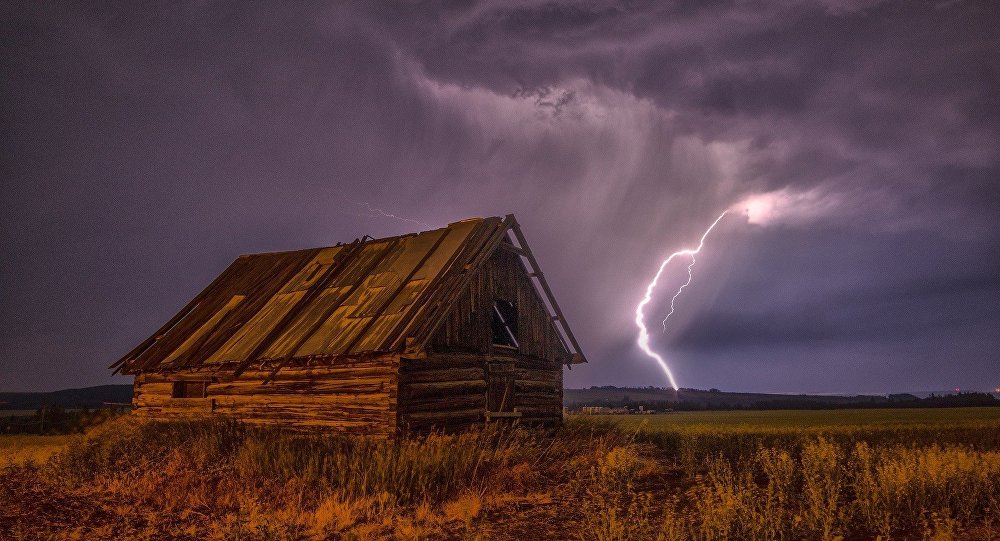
[
  {"x": 379, "y": 213},
  {"x": 643, "y": 340},
  {"x": 679, "y": 291}
]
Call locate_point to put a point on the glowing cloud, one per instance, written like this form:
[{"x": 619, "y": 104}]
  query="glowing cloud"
[{"x": 783, "y": 206}]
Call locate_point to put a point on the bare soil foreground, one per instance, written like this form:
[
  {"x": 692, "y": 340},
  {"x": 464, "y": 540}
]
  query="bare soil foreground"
[{"x": 848, "y": 474}]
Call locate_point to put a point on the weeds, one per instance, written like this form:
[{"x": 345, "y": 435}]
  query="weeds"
[
  {"x": 827, "y": 491},
  {"x": 226, "y": 480}
]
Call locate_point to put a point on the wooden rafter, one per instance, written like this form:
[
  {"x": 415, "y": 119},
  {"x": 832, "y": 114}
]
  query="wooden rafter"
[{"x": 536, "y": 273}]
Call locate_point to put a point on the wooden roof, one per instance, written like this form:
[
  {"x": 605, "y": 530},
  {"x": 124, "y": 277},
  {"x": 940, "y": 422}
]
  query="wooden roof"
[{"x": 351, "y": 299}]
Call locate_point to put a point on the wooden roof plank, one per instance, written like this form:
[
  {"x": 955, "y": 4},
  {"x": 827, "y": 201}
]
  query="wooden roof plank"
[
  {"x": 341, "y": 296},
  {"x": 390, "y": 298},
  {"x": 312, "y": 290},
  {"x": 184, "y": 312},
  {"x": 258, "y": 291}
]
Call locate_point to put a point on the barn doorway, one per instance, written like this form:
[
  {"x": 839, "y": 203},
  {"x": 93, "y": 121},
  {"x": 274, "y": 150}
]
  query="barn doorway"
[{"x": 500, "y": 390}]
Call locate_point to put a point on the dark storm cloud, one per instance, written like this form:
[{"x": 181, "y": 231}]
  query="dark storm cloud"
[{"x": 146, "y": 148}]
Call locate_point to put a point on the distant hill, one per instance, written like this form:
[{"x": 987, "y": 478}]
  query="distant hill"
[
  {"x": 697, "y": 399},
  {"x": 650, "y": 397},
  {"x": 88, "y": 397}
]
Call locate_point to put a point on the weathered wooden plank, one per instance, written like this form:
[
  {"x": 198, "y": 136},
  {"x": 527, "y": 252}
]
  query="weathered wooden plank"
[
  {"x": 453, "y": 374},
  {"x": 442, "y": 361},
  {"x": 180, "y": 404},
  {"x": 367, "y": 399},
  {"x": 444, "y": 415},
  {"x": 366, "y": 429},
  {"x": 345, "y": 416},
  {"x": 551, "y": 376},
  {"x": 350, "y": 386},
  {"x": 530, "y": 388},
  {"x": 161, "y": 413},
  {"x": 470, "y": 401},
  {"x": 376, "y": 368},
  {"x": 154, "y": 388},
  {"x": 418, "y": 390}
]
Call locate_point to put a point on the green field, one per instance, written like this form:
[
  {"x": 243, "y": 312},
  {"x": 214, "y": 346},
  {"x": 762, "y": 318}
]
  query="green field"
[
  {"x": 807, "y": 419},
  {"x": 736, "y": 434}
]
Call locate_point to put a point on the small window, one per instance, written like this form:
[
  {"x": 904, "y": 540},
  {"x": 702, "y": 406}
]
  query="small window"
[
  {"x": 189, "y": 389},
  {"x": 505, "y": 324}
]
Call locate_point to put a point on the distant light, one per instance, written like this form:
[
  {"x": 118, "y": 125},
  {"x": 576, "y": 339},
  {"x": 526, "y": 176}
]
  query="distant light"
[
  {"x": 957, "y": 390},
  {"x": 997, "y": 389}
]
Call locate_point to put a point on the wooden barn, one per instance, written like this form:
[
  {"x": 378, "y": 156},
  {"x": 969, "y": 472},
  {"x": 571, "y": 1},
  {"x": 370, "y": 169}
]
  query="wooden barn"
[{"x": 439, "y": 329}]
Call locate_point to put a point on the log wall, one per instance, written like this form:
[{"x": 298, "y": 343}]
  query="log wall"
[
  {"x": 448, "y": 390},
  {"x": 357, "y": 397},
  {"x": 538, "y": 390}
]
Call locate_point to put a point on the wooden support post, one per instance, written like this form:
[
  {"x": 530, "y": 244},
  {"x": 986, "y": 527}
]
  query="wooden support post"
[{"x": 512, "y": 248}]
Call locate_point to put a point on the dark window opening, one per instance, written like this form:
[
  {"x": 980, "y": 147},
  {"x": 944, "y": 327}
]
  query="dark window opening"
[
  {"x": 189, "y": 389},
  {"x": 505, "y": 324}
]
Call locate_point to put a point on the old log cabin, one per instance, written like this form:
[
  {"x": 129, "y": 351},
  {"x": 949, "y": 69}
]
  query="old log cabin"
[{"x": 439, "y": 329}]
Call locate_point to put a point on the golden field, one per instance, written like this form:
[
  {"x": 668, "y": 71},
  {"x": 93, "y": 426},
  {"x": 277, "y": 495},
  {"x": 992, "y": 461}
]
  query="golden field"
[{"x": 847, "y": 474}]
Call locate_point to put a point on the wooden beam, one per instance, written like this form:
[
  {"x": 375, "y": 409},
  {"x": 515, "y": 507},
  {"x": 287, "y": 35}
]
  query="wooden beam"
[
  {"x": 516, "y": 228},
  {"x": 502, "y": 415},
  {"x": 511, "y": 248}
]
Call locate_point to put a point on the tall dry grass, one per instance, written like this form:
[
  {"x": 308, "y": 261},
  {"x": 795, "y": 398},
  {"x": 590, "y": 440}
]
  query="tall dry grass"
[
  {"x": 223, "y": 479},
  {"x": 825, "y": 492},
  {"x": 227, "y": 480},
  {"x": 429, "y": 468}
]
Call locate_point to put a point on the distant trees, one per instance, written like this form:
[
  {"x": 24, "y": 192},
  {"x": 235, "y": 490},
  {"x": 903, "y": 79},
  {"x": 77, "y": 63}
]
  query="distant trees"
[{"x": 725, "y": 401}]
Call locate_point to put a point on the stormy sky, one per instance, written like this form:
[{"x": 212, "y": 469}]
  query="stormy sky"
[{"x": 145, "y": 147}]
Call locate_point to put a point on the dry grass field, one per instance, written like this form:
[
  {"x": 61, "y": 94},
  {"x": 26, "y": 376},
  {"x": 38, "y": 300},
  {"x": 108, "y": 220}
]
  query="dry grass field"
[
  {"x": 889, "y": 474},
  {"x": 20, "y": 448}
]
